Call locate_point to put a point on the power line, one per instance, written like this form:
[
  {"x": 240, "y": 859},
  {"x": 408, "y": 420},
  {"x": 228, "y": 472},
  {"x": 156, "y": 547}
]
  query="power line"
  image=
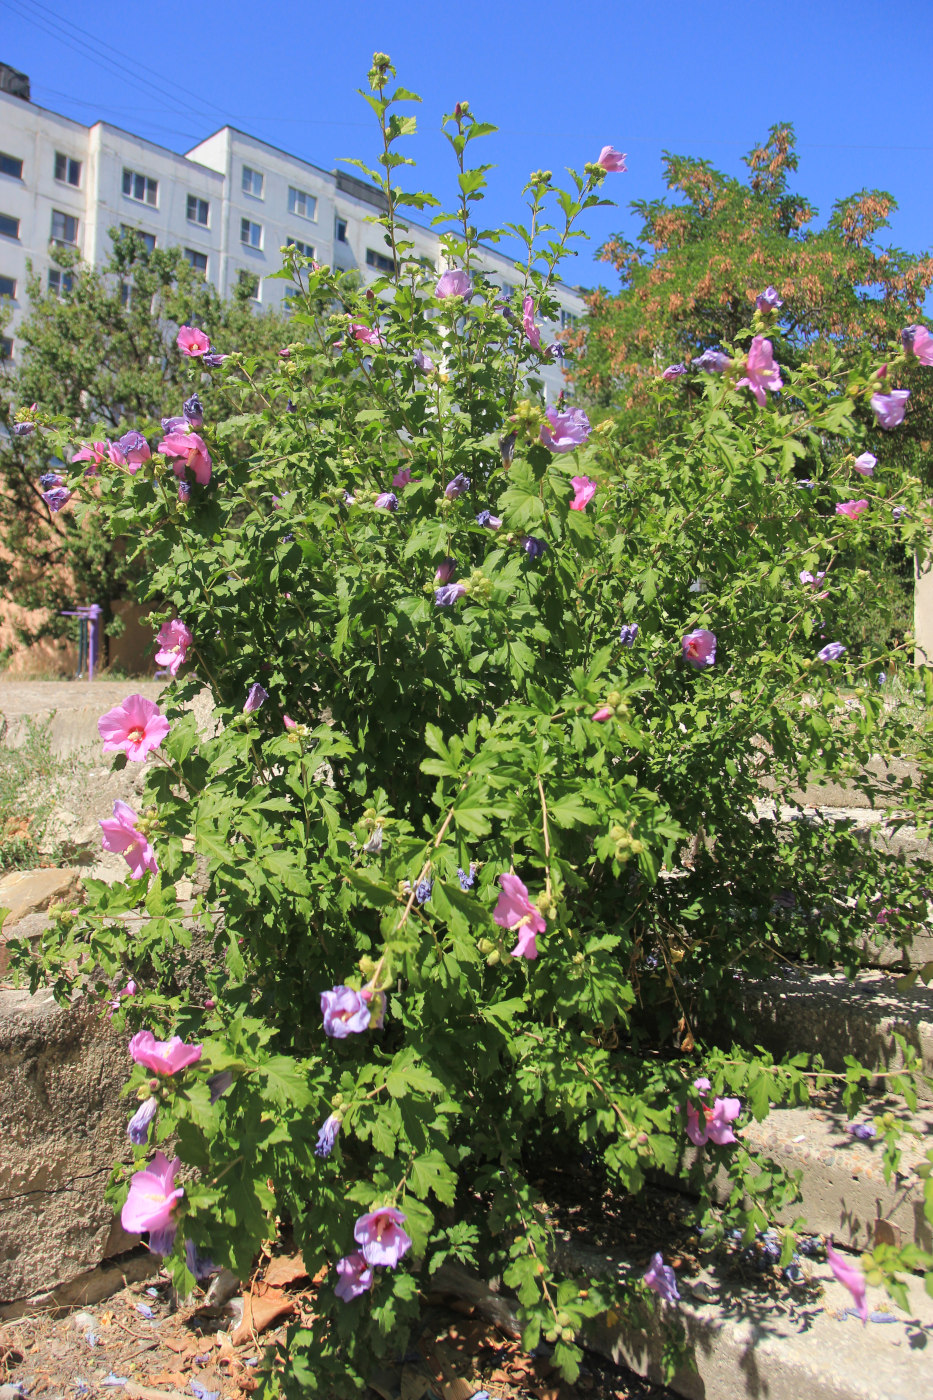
[
  {"x": 89, "y": 46},
  {"x": 92, "y": 52}
]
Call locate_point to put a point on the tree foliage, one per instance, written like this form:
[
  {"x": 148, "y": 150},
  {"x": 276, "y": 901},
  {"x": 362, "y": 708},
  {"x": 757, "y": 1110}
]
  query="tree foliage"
[
  {"x": 102, "y": 355},
  {"x": 689, "y": 281}
]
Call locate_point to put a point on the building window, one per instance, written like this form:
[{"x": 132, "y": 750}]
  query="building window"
[
  {"x": 126, "y": 294},
  {"x": 60, "y": 281},
  {"x": 340, "y": 230},
  {"x": 67, "y": 169},
  {"x": 252, "y": 182},
  {"x": 64, "y": 228},
  {"x": 149, "y": 239},
  {"x": 379, "y": 260},
  {"x": 9, "y": 226},
  {"x": 198, "y": 210},
  {"x": 197, "y": 260},
  {"x": 250, "y": 233},
  {"x": 140, "y": 187},
  {"x": 249, "y": 282},
  {"x": 305, "y": 205},
  {"x": 304, "y": 250},
  {"x": 8, "y": 287},
  {"x": 11, "y": 165},
  {"x": 567, "y": 320},
  {"x": 6, "y": 348}
]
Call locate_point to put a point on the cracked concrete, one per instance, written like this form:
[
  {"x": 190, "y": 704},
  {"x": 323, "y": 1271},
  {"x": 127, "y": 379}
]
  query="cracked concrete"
[{"x": 61, "y": 1125}]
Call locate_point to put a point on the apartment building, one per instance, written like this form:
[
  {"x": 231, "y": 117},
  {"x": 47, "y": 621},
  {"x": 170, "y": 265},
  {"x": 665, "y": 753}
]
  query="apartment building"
[{"x": 230, "y": 203}]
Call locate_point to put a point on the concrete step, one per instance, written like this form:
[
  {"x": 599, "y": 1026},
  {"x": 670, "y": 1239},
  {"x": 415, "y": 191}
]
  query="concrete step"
[
  {"x": 844, "y": 1192},
  {"x": 62, "y": 1124},
  {"x": 828, "y": 1014},
  {"x": 783, "y": 1345},
  {"x": 745, "y": 1339},
  {"x": 71, "y": 708},
  {"x": 880, "y": 779}
]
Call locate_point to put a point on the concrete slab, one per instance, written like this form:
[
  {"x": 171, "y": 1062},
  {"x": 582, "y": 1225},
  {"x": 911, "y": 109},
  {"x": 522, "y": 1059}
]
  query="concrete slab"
[
  {"x": 750, "y": 1345},
  {"x": 843, "y": 1186},
  {"x": 62, "y": 1124},
  {"x": 883, "y": 779},
  {"x": 746, "y": 1343},
  {"x": 72, "y": 708},
  {"x": 827, "y": 1014},
  {"x": 32, "y": 891}
]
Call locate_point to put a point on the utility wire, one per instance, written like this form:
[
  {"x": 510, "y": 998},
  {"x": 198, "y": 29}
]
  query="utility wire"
[{"x": 115, "y": 69}]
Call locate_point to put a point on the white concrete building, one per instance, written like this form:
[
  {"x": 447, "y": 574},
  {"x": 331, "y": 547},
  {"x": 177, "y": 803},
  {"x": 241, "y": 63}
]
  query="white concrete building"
[{"x": 231, "y": 203}]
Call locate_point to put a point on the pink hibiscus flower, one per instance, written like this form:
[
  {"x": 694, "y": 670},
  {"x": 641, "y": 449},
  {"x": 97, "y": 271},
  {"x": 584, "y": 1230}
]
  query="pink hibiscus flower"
[
  {"x": 366, "y": 334},
  {"x": 192, "y": 342},
  {"x": 136, "y": 726},
  {"x": 851, "y": 509},
  {"x": 584, "y": 490},
  {"x": 174, "y": 639},
  {"x": 453, "y": 283},
  {"x": 191, "y": 451},
  {"x": 528, "y": 323},
  {"x": 381, "y": 1237},
  {"x": 715, "y": 1124},
  {"x": 851, "y": 1276},
  {"x": 612, "y": 160},
  {"x": 516, "y": 911},
  {"x": 152, "y": 1197},
  {"x": 163, "y": 1056},
  {"x": 121, "y": 835},
  {"x": 762, "y": 373},
  {"x": 94, "y": 452}
]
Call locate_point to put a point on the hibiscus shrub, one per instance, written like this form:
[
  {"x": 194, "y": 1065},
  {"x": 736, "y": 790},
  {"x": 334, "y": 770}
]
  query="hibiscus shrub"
[{"x": 495, "y": 698}]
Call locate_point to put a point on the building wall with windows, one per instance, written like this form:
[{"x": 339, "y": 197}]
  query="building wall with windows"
[{"x": 230, "y": 203}]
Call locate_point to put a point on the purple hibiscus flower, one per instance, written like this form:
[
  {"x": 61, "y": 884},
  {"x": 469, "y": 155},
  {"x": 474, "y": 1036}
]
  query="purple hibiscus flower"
[
  {"x": 889, "y": 409},
  {"x": 456, "y": 488},
  {"x": 711, "y": 362},
  {"x": 768, "y": 300},
  {"x": 448, "y": 595},
  {"x": 662, "y": 1279},
  {"x": 380, "y": 1236},
  {"x": 345, "y": 1012},
  {"x": 566, "y": 430}
]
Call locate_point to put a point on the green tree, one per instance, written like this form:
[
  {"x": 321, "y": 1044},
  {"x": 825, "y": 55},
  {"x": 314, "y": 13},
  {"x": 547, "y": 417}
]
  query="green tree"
[
  {"x": 689, "y": 282},
  {"x": 103, "y": 357}
]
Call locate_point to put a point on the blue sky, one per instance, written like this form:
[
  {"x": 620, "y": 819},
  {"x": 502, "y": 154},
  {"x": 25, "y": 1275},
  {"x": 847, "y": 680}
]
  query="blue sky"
[{"x": 559, "y": 80}]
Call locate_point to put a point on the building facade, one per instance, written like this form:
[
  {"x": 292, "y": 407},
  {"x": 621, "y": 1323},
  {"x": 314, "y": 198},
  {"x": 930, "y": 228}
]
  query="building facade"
[{"x": 230, "y": 203}]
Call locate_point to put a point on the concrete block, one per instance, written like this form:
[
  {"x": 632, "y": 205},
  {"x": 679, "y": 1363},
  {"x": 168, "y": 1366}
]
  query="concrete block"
[
  {"x": 62, "y": 1124},
  {"x": 32, "y": 891},
  {"x": 827, "y": 1014},
  {"x": 844, "y": 1192},
  {"x": 750, "y": 1345}
]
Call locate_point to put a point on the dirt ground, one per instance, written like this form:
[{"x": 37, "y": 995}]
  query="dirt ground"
[{"x": 138, "y": 1345}]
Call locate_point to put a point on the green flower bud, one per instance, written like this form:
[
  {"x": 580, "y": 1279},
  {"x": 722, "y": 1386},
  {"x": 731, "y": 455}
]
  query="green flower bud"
[{"x": 493, "y": 958}]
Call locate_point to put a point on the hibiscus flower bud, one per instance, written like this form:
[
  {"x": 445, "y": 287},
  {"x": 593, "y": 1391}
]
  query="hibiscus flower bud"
[{"x": 544, "y": 904}]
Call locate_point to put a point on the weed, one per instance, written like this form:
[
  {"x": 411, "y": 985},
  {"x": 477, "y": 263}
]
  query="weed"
[{"x": 31, "y": 775}]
